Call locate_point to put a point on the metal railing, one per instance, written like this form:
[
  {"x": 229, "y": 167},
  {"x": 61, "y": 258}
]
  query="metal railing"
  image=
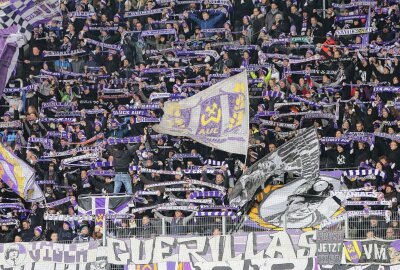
[
  {"x": 365, "y": 227},
  {"x": 355, "y": 227},
  {"x": 148, "y": 228}
]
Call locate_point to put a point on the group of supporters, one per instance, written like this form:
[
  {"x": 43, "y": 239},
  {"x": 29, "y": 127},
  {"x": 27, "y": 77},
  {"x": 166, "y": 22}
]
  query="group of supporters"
[{"x": 89, "y": 87}]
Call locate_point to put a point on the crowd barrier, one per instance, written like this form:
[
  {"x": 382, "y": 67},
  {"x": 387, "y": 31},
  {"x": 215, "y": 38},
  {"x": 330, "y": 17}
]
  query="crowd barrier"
[
  {"x": 385, "y": 226},
  {"x": 309, "y": 250}
]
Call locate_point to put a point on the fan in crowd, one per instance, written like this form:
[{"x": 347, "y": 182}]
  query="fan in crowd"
[{"x": 102, "y": 73}]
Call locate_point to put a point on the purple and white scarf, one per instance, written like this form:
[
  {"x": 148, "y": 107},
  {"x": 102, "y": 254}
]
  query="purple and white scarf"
[
  {"x": 81, "y": 14},
  {"x": 142, "y": 119},
  {"x": 103, "y": 45},
  {"x": 350, "y": 17},
  {"x": 101, "y": 164},
  {"x": 71, "y": 162},
  {"x": 273, "y": 94},
  {"x": 207, "y": 194},
  {"x": 57, "y": 217},
  {"x": 277, "y": 124},
  {"x": 183, "y": 189},
  {"x": 28, "y": 88},
  {"x": 143, "y": 13},
  {"x": 201, "y": 201},
  {"x": 335, "y": 140},
  {"x": 59, "y": 120},
  {"x": 362, "y": 203},
  {"x": 61, "y": 53},
  {"x": 177, "y": 207},
  {"x": 131, "y": 112},
  {"x": 158, "y": 32},
  {"x": 11, "y": 124},
  {"x": 72, "y": 151},
  {"x": 382, "y": 89},
  {"x": 126, "y": 140},
  {"x": 8, "y": 222},
  {"x": 58, "y": 202},
  {"x": 103, "y": 173},
  {"x": 215, "y": 214},
  {"x": 206, "y": 184},
  {"x": 103, "y": 28},
  {"x": 11, "y": 206},
  {"x": 364, "y": 172},
  {"x": 47, "y": 143},
  {"x": 57, "y": 105},
  {"x": 169, "y": 183}
]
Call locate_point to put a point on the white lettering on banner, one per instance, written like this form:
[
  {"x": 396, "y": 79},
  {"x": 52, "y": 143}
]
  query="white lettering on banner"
[
  {"x": 218, "y": 248},
  {"x": 368, "y": 251},
  {"x": 307, "y": 247},
  {"x": 164, "y": 247},
  {"x": 282, "y": 245},
  {"x": 144, "y": 252},
  {"x": 251, "y": 248},
  {"x": 187, "y": 254},
  {"x": 380, "y": 252}
]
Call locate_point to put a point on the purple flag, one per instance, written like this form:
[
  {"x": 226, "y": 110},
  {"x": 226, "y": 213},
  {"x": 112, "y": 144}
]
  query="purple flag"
[{"x": 8, "y": 54}]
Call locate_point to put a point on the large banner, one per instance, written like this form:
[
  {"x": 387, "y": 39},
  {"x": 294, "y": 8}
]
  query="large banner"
[
  {"x": 375, "y": 251},
  {"x": 299, "y": 157},
  {"x": 217, "y": 117},
  {"x": 10, "y": 40},
  {"x": 217, "y": 250},
  {"x": 31, "y": 255},
  {"x": 19, "y": 176},
  {"x": 261, "y": 251}
]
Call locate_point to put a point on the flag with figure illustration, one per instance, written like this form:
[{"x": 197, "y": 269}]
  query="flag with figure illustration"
[
  {"x": 102, "y": 205},
  {"x": 19, "y": 176},
  {"x": 217, "y": 116}
]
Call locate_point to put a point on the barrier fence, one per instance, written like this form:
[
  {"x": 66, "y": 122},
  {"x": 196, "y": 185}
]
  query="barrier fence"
[{"x": 355, "y": 227}]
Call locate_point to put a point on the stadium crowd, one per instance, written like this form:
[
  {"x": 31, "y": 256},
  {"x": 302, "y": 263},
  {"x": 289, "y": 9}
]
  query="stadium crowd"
[{"x": 109, "y": 56}]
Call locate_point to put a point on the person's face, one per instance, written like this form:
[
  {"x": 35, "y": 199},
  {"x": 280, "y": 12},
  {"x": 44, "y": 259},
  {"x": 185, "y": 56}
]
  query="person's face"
[
  {"x": 178, "y": 214},
  {"x": 37, "y": 234},
  {"x": 65, "y": 227},
  {"x": 370, "y": 234},
  {"x": 25, "y": 225},
  {"x": 71, "y": 211},
  {"x": 149, "y": 163},
  {"x": 385, "y": 114},
  {"x": 274, "y": 6},
  {"x": 313, "y": 21},
  {"x": 35, "y": 51},
  {"x": 393, "y": 146},
  {"x": 339, "y": 148},
  {"x": 374, "y": 222},
  {"x": 345, "y": 125},
  {"x": 85, "y": 231},
  {"x": 219, "y": 179},
  {"x": 359, "y": 127},
  {"x": 205, "y": 16},
  {"x": 17, "y": 239},
  {"x": 272, "y": 148},
  {"x": 216, "y": 232},
  {"x": 54, "y": 237},
  {"x": 145, "y": 220}
]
